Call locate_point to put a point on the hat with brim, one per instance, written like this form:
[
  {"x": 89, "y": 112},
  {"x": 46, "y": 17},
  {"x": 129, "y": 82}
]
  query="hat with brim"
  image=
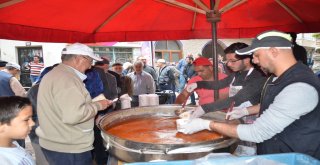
[
  {"x": 142, "y": 58},
  {"x": 161, "y": 61},
  {"x": 202, "y": 61},
  {"x": 14, "y": 65},
  {"x": 80, "y": 49},
  {"x": 103, "y": 61},
  {"x": 3, "y": 63},
  {"x": 266, "y": 40}
]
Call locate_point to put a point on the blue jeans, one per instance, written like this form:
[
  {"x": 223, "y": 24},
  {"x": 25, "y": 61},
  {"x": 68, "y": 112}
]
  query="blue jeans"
[
  {"x": 60, "y": 158},
  {"x": 193, "y": 98},
  {"x": 33, "y": 78},
  {"x": 182, "y": 83}
]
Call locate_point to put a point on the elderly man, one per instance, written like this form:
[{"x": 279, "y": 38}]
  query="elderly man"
[
  {"x": 9, "y": 84},
  {"x": 204, "y": 69},
  {"x": 148, "y": 69},
  {"x": 143, "y": 82},
  {"x": 289, "y": 109},
  {"x": 65, "y": 109}
]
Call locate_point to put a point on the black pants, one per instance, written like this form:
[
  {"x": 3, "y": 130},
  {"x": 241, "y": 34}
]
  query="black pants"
[
  {"x": 172, "y": 96},
  {"x": 99, "y": 152},
  {"x": 59, "y": 158}
]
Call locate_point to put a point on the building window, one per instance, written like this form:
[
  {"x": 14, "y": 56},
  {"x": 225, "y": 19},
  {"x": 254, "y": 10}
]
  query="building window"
[
  {"x": 114, "y": 54},
  {"x": 168, "y": 50}
]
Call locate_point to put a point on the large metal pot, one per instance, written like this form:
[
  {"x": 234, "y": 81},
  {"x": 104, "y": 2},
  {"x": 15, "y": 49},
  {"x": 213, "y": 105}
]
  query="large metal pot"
[{"x": 131, "y": 151}]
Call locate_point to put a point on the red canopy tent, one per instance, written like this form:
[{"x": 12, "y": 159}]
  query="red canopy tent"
[
  {"x": 137, "y": 20},
  {"x": 90, "y": 21}
]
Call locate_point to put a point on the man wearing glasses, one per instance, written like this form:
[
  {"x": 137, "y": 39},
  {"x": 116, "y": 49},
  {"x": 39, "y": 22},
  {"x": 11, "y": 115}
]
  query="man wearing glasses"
[
  {"x": 66, "y": 111},
  {"x": 245, "y": 84},
  {"x": 289, "y": 110}
]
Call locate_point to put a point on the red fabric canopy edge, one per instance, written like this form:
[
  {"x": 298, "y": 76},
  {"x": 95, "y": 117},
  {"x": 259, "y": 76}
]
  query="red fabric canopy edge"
[{"x": 27, "y": 33}]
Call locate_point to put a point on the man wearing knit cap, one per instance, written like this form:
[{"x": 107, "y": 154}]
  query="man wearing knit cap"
[
  {"x": 289, "y": 111},
  {"x": 2, "y": 64},
  {"x": 204, "y": 69},
  {"x": 9, "y": 84}
]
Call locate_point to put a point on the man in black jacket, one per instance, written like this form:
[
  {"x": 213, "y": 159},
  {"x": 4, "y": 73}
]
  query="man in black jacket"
[{"x": 110, "y": 92}]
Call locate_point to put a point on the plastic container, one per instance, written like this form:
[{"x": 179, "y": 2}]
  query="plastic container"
[
  {"x": 286, "y": 158},
  {"x": 125, "y": 101}
]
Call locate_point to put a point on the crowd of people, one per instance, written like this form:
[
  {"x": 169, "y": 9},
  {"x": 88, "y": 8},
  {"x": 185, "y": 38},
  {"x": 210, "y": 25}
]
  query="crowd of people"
[{"x": 276, "y": 96}]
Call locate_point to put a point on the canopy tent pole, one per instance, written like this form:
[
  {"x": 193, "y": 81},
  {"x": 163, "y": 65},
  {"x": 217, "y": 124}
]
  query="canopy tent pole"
[
  {"x": 194, "y": 20},
  {"x": 231, "y": 5},
  {"x": 152, "y": 53},
  {"x": 289, "y": 11},
  {"x": 215, "y": 56},
  {"x": 213, "y": 17},
  {"x": 202, "y": 5},
  {"x": 9, "y": 3},
  {"x": 113, "y": 15},
  {"x": 182, "y": 5}
]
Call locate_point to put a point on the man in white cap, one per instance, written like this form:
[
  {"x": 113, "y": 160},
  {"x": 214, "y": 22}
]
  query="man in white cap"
[
  {"x": 289, "y": 111},
  {"x": 66, "y": 111},
  {"x": 9, "y": 84}
]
